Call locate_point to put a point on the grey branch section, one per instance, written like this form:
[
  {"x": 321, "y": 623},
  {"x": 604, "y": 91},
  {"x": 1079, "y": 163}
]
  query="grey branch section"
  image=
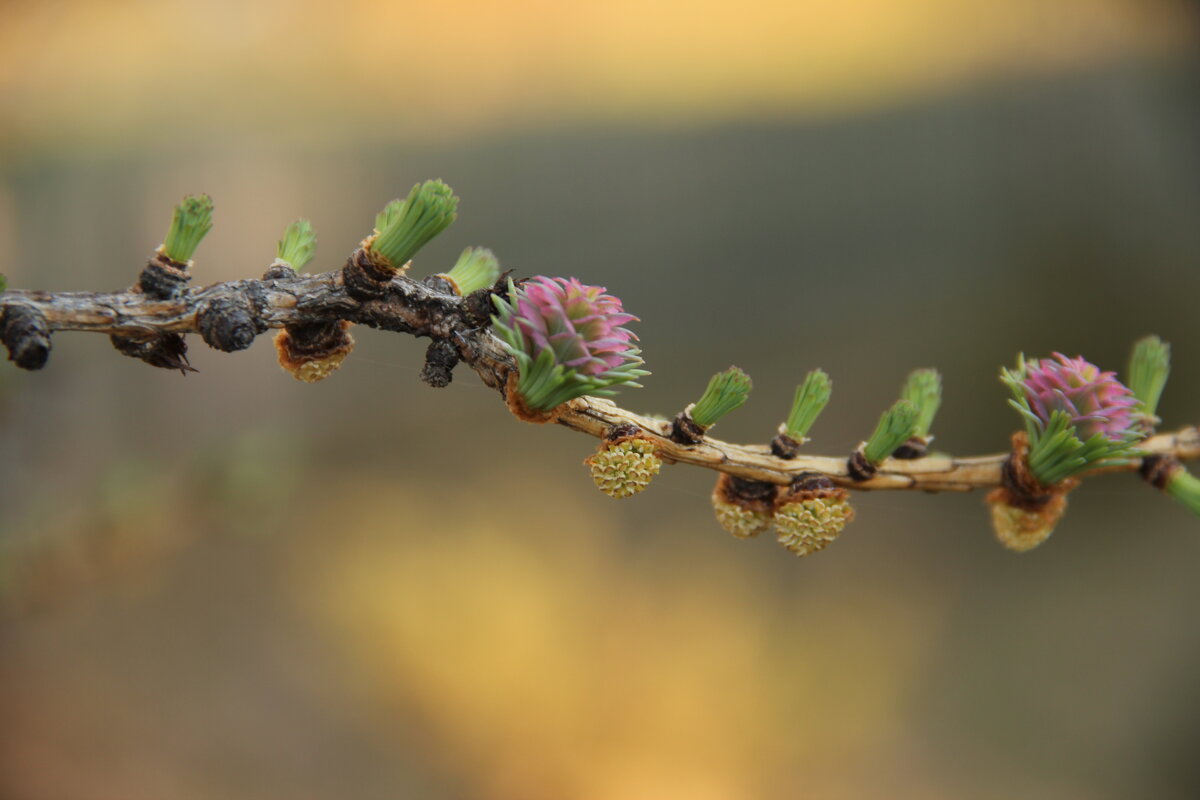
[{"x": 229, "y": 316}]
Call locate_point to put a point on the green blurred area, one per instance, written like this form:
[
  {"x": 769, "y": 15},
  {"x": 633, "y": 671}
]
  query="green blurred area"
[{"x": 233, "y": 585}]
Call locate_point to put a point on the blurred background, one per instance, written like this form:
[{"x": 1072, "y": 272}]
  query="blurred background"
[{"x": 234, "y": 585}]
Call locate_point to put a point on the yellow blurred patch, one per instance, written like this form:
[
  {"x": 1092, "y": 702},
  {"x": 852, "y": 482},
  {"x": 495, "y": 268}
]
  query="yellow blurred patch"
[
  {"x": 542, "y": 656},
  {"x": 116, "y": 72}
]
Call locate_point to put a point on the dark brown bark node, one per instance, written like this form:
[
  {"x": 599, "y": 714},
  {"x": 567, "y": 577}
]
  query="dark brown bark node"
[
  {"x": 684, "y": 429},
  {"x": 916, "y": 447},
  {"x": 229, "y": 323},
  {"x": 1158, "y": 470},
  {"x": 163, "y": 278},
  {"x": 785, "y": 447},
  {"x": 166, "y": 351},
  {"x": 751, "y": 495},
  {"x": 442, "y": 284},
  {"x": 440, "y": 359},
  {"x": 367, "y": 276},
  {"x": 859, "y": 467},
  {"x": 811, "y": 486},
  {"x": 26, "y": 336},
  {"x": 279, "y": 271}
]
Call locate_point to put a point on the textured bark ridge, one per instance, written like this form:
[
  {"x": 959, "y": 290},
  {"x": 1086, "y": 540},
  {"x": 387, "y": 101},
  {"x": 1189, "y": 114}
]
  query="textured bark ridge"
[{"x": 229, "y": 316}]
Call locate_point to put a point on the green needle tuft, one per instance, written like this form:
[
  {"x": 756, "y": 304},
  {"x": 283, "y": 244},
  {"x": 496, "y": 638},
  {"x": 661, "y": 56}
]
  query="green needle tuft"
[
  {"x": 811, "y": 398},
  {"x": 895, "y": 427},
  {"x": 191, "y": 221},
  {"x": 405, "y": 226},
  {"x": 298, "y": 244},
  {"x": 923, "y": 389},
  {"x": 389, "y": 213},
  {"x": 726, "y": 391},
  {"x": 477, "y": 268},
  {"x": 1149, "y": 367}
]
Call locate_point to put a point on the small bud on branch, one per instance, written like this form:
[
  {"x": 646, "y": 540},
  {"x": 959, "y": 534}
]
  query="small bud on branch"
[
  {"x": 298, "y": 244},
  {"x": 192, "y": 221}
]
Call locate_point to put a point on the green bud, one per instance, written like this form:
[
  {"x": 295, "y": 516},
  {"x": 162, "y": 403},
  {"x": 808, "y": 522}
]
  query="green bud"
[
  {"x": 191, "y": 221},
  {"x": 726, "y": 391},
  {"x": 923, "y": 389},
  {"x": 895, "y": 427},
  {"x": 404, "y": 227},
  {"x": 298, "y": 244},
  {"x": 477, "y": 268},
  {"x": 1149, "y": 367},
  {"x": 811, "y": 398}
]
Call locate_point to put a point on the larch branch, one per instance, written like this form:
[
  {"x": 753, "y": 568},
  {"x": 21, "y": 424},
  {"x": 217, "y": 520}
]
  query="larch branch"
[{"x": 427, "y": 309}]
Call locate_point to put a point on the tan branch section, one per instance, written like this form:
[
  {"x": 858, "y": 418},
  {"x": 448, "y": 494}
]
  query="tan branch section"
[
  {"x": 419, "y": 310},
  {"x": 755, "y": 462}
]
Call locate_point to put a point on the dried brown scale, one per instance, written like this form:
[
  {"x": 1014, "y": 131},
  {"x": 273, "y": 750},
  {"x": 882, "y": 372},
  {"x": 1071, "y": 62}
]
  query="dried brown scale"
[
  {"x": 914, "y": 448},
  {"x": 810, "y": 482},
  {"x": 752, "y": 491},
  {"x": 1158, "y": 470},
  {"x": 623, "y": 431},
  {"x": 367, "y": 276},
  {"x": 412, "y": 308},
  {"x": 516, "y": 404},
  {"x": 785, "y": 447},
  {"x": 1024, "y": 490},
  {"x": 478, "y": 307},
  {"x": 317, "y": 338},
  {"x": 743, "y": 507},
  {"x": 440, "y": 359},
  {"x": 279, "y": 271},
  {"x": 312, "y": 351},
  {"x": 859, "y": 468},
  {"x": 684, "y": 430},
  {"x": 166, "y": 351},
  {"x": 163, "y": 278},
  {"x": 442, "y": 283}
]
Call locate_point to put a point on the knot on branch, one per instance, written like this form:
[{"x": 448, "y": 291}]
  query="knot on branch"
[
  {"x": 26, "y": 335},
  {"x": 229, "y": 322}
]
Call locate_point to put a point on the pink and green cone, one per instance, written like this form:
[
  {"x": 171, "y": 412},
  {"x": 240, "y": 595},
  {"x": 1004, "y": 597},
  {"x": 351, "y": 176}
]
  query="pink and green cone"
[
  {"x": 568, "y": 340},
  {"x": 1076, "y": 415}
]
